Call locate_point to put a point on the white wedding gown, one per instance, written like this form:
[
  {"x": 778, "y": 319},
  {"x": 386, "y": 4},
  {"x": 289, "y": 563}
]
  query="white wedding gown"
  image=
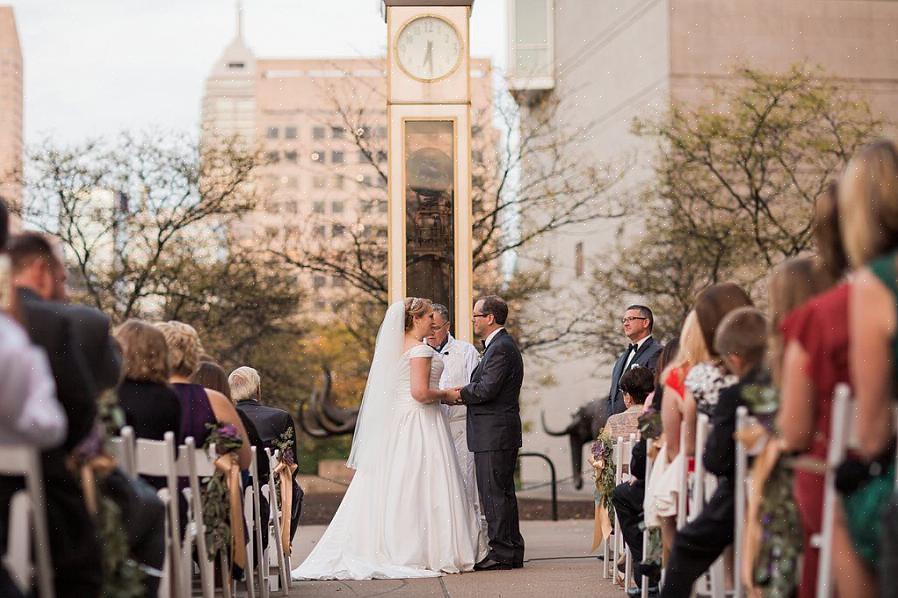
[{"x": 411, "y": 517}]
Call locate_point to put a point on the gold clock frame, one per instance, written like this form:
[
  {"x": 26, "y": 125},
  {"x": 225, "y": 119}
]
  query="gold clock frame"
[{"x": 458, "y": 60}]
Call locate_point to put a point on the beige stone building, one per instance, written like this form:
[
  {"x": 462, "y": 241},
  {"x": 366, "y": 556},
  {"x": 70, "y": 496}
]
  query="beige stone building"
[
  {"x": 322, "y": 125},
  {"x": 11, "y": 94},
  {"x": 613, "y": 61}
]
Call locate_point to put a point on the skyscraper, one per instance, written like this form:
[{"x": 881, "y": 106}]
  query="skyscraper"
[{"x": 11, "y": 145}]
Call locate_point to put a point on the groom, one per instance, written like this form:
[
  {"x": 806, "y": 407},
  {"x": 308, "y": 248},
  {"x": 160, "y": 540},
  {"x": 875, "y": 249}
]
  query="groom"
[{"x": 494, "y": 432}]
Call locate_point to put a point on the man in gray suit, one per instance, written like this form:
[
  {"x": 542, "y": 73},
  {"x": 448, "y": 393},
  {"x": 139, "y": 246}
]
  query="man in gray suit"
[{"x": 643, "y": 351}]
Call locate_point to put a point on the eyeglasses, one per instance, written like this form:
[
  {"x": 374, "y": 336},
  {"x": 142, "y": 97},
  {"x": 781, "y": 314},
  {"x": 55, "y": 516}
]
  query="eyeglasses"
[
  {"x": 626, "y": 319},
  {"x": 480, "y": 315}
]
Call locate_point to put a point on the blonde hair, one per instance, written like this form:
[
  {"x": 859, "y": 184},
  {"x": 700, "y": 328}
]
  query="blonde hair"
[
  {"x": 245, "y": 383},
  {"x": 692, "y": 350},
  {"x": 184, "y": 347},
  {"x": 144, "y": 352},
  {"x": 416, "y": 307},
  {"x": 868, "y": 202}
]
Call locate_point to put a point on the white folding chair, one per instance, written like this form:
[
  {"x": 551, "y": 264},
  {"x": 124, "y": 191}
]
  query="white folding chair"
[
  {"x": 712, "y": 583},
  {"x": 620, "y": 447},
  {"x": 123, "y": 449},
  {"x": 194, "y": 464},
  {"x": 645, "y": 533},
  {"x": 252, "y": 519},
  {"x": 626, "y": 459},
  {"x": 157, "y": 458},
  {"x": 742, "y": 423},
  {"x": 683, "y": 491},
  {"x": 27, "y": 505},
  {"x": 841, "y": 426},
  {"x": 274, "y": 527}
]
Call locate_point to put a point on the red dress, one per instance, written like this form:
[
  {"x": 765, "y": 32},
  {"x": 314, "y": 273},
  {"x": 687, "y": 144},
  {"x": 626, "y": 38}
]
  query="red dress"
[
  {"x": 820, "y": 326},
  {"x": 676, "y": 380}
]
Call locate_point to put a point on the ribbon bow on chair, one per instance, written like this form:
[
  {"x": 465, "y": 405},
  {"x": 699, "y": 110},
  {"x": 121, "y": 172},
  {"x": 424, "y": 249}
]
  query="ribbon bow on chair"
[
  {"x": 284, "y": 471},
  {"x": 227, "y": 464}
]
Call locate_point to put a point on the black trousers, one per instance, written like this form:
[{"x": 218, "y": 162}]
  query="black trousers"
[
  {"x": 698, "y": 544},
  {"x": 495, "y": 484},
  {"x": 627, "y": 500}
]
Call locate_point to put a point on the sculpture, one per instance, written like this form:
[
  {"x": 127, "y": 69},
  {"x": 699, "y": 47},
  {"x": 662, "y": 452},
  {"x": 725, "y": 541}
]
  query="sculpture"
[
  {"x": 322, "y": 418},
  {"x": 584, "y": 427}
]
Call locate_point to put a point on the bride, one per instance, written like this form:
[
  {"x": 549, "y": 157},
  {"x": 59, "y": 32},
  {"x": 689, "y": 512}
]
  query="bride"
[{"x": 406, "y": 513}]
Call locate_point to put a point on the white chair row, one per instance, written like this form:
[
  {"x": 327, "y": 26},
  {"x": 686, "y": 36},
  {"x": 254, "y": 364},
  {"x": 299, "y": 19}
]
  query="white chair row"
[
  {"x": 622, "y": 453},
  {"x": 27, "y": 530},
  {"x": 158, "y": 459}
]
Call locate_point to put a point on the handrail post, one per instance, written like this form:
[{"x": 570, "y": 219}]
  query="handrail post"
[{"x": 552, "y": 475}]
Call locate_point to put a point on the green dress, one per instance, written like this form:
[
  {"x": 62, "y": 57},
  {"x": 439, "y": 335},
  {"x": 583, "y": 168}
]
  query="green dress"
[{"x": 864, "y": 508}]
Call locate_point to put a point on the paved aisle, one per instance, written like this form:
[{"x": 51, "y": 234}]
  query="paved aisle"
[{"x": 554, "y": 569}]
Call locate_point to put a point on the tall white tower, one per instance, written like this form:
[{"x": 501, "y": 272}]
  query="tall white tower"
[{"x": 229, "y": 102}]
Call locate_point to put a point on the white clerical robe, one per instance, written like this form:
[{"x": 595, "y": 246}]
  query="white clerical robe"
[{"x": 460, "y": 358}]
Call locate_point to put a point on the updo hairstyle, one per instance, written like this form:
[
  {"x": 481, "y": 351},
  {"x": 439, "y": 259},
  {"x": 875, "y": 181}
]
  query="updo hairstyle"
[{"x": 415, "y": 307}]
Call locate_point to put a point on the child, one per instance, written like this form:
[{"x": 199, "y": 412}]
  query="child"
[{"x": 741, "y": 340}]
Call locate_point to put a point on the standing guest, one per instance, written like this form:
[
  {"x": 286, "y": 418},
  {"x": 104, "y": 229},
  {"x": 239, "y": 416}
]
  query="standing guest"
[
  {"x": 459, "y": 359},
  {"x": 150, "y": 405},
  {"x": 643, "y": 350},
  {"x": 741, "y": 339},
  {"x": 678, "y": 405},
  {"x": 636, "y": 385},
  {"x": 83, "y": 360},
  {"x": 271, "y": 423},
  {"x": 868, "y": 209},
  {"x": 199, "y": 406}
]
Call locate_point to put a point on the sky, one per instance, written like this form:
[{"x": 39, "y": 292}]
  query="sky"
[{"x": 97, "y": 67}]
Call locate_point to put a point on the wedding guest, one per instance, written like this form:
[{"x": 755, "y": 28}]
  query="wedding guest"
[
  {"x": 741, "y": 340},
  {"x": 271, "y": 423},
  {"x": 150, "y": 405},
  {"x": 636, "y": 384},
  {"x": 638, "y": 322},
  {"x": 678, "y": 405},
  {"x": 199, "y": 406},
  {"x": 814, "y": 361},
  {"x": 84, "y": 361},
  {"x": 868, "y": 209}
]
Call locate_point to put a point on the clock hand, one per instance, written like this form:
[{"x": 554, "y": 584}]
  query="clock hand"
[{"x": 428, "y": 56}]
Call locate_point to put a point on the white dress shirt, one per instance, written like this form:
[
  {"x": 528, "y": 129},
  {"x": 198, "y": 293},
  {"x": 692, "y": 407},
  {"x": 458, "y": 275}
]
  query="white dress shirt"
[
  {"x": 632, "y": 354},
  {"x": 29, "y": 411},
  {"x": 492, "y": 335}
]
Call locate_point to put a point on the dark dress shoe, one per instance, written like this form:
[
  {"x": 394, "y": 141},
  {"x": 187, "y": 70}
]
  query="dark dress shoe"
[
  {"x": 518, "y": 565},
  {"x": 491, "y": 565}
]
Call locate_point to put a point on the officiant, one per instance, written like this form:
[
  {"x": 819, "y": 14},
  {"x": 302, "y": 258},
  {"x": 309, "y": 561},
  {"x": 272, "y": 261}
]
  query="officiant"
[{"x": 459, "y": 360}]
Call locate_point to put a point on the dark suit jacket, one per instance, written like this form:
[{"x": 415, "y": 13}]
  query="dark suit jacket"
[
  {"x": 646, "y": 356},
  {"x": 720, "y": 448},
  {"x": 494, "y": 414}
]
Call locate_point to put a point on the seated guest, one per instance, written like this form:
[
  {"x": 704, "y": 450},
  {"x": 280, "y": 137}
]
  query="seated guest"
[
  {"x": 199, "y": 406},
  {"x": 636, "y": 384},
  {"x": 150, "y": 405},
  {"x": 271, "y": 423},
  {"x": 741, "y": 340},
  {"x": 67, "y": 334}
]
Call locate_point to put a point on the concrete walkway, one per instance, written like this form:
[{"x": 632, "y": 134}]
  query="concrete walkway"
[{"x": 558, "y": 565}]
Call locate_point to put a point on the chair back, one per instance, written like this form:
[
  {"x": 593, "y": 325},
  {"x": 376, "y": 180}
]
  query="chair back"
[
  {"x": 122, "y": 447},
  {"x": 841, "y": 429},
  {"x": 683, "y": 492},
  {"x": 23, "y": 460},
  {"x": 742, "y": 423}
]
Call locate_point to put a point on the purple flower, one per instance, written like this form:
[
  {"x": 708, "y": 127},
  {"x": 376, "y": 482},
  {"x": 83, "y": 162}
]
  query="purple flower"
[
  {"x": 229, "y": 432},
  {"x": 289, "y": 459},
  {"x": 597, "y": 450}
]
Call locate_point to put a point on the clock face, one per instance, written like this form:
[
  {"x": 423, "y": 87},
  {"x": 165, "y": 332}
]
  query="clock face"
[{"x": 428, "y": 48}]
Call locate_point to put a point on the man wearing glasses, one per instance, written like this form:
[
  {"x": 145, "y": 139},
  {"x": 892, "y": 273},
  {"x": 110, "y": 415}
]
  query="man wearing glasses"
[
  {"x": 459, "y": 360},
  {"x": 642, "y": 350}
]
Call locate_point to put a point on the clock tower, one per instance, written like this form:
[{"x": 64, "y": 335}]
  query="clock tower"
[{"x": 429, "y": 113}]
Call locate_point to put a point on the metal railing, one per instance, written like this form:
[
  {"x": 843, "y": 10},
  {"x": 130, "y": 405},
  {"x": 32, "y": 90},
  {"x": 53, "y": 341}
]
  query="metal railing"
[{"x": 553, "y": 482}]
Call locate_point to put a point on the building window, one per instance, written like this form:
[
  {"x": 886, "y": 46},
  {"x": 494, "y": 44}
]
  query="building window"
[
  {"x": 272, "y": 133},
  {"x": 337, "y": 207},
  {"x": 578, "y": 259},
  {"x": 318, "y": 133},
  {"x": 292, "y": 182},
  {"x": 318, "y": 156},
  {"x": 338, "y": 230},
  {"x": 336, "y": 157},
  {"x": 382, "y": 232},
  {"x": 338, "y": 132},
  {"x": 364, "y": 157},
  {"x": 337, "y": 281},
  {"x": 318, "y": 281},
  {"x": 320, "y": 230},
  {"x": 319, "y": 304},
  {"x": 290, "y": 133},
  {"x": 531, "y": 51},
  {"x": 382, "y": 132},
  {"x": 382, "y": 206},
  {"x": 291, "y": 207},
  {"x": 365, "y": 206},
  {"x": 381, "y": 156},
  {"x": 364, "y": 181},
  {"x": 319, "y": 182},
  {"x": 337, "y": 181},
  {"x": 290, "y": 156},
  {"x": 318, "y": 207},
  {"x": 272, "y": 157}
]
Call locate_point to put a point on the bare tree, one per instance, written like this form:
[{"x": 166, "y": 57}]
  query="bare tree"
[{"x": 735, "y": 184}]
